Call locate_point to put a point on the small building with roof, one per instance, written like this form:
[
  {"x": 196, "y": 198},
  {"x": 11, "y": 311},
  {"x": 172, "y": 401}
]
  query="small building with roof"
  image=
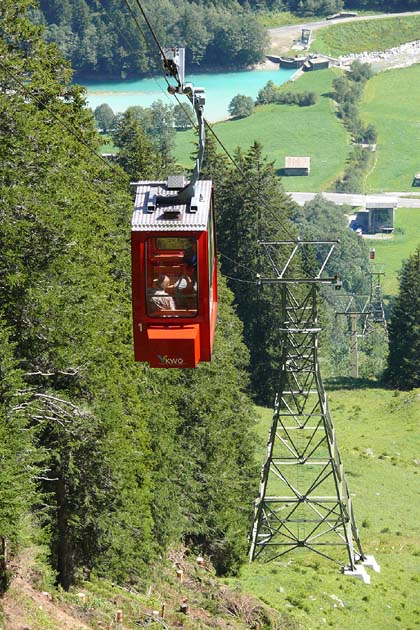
[
  {"x": 377, "y": 217},
  {"x": 297, "y": 165},
  {"x": 316, "y": 63}
]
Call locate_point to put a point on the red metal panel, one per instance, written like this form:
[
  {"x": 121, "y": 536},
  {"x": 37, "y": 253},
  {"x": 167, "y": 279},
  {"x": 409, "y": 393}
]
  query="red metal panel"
[
  {"x": 173, "y": 346},
  {"x": 174, "y": 341}
]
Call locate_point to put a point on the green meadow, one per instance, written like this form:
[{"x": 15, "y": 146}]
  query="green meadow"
[
  {"x": 391, "y": 251},
  {"x": 379, "y": 440},
  {"x": 377, "y": 430},
  {"x": 367, "y": 35},
  {"x": 391, "y": 102},
  {"x": 290, "y": 130},
  {"x": 275, "y": 19}
]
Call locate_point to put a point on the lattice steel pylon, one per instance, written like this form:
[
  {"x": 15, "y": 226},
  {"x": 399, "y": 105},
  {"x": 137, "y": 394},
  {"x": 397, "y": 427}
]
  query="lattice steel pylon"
[
  {"x": 357, "y": 309},
  {"x": 376, "y": 311},
  {"x": 304, "y": 500}
]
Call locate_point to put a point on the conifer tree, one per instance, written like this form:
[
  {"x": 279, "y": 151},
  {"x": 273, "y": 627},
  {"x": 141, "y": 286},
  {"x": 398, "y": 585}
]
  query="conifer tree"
[
  {"x": 403, "y": 369},
  {"x": 16, "y": 454},
  {"x": 136, "y": 154},
  {"x": 252, "y": 206},
  {"x": 219, "y": 474},
  {"x": 104, "y": 423},
  {"x": 65, "y": 298}
]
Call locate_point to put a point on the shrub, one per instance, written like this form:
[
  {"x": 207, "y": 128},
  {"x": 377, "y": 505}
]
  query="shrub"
[{"x": 241, "y": 106}]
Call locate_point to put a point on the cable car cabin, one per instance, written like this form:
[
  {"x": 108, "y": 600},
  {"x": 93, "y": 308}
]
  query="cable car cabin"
[{"x": 174, "y": 276}]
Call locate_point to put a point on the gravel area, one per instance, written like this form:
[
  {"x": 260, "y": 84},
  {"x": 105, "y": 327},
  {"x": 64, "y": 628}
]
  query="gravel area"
[{"x": 399, "y": 57}]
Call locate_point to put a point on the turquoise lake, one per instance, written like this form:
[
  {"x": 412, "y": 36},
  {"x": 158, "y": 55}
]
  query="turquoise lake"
[{"x": 220, "y": 90}]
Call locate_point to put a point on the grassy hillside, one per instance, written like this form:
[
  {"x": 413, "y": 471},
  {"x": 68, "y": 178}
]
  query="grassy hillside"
[
  {"x": 290, "y": 130},
  {"x": 276, "y": 19},
  {"x": 391, "y": 102},
  {"x": 377, "y": 432},
  {"x": 378, "y": 436},
  {"x": 369, "y": 35},
  {"x": 392, "y": 251}
]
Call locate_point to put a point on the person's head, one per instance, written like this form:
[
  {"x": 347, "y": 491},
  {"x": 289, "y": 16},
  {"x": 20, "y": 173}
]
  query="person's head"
[{"x": 163, "y": 282}]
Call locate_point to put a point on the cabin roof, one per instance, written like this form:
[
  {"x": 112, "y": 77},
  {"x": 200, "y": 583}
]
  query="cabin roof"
[
  {"x": 380, "y": 202},
  {"x": 151, "y": 214},
  {"x": 318, "y": 59},
  {"x": 297, "y": 162}
]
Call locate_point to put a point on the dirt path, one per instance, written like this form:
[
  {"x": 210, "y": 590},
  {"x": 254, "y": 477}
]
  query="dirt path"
[{"x": 24, "y": 607}]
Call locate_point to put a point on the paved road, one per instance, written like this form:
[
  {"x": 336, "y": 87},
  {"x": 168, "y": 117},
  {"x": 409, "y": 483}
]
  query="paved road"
[
  {"x": 359, "y": 200},
  {"x": 284, "y": 36}
]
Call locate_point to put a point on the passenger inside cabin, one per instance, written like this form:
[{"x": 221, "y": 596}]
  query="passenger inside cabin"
[
  {"x": 161, "y": 300},
  {"x": 186, "y": 288},
  {"x": 190, "y": 255}
]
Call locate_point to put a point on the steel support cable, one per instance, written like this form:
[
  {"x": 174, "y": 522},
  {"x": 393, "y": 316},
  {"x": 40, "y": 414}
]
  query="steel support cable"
[
  {"x": 255, "y": 190},
  {"x": 134, "y": 16},
  {"x": 131, "y": 47},
  {"x": 240, "y": 280},
  {"x": 26, "y": 90},
  {"x": 158, "y": 61},
  {"x": 149, "y": 26},
  {"x": 165, "y": 61},
  {"x": 247, "y": 181}
]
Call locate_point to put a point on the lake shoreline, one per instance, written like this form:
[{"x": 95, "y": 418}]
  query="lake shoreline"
[
  {"x": 220, "y": 89},
  {"x": 97, "y": 77}
]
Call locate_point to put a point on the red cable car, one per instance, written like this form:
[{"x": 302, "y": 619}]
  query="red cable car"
[{"x": 174, "y": 274}]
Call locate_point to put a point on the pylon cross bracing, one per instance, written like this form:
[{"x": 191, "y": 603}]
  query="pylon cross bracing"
[
  {"x": 376, "y": 311},
  {"x": 304, "y": 500}
]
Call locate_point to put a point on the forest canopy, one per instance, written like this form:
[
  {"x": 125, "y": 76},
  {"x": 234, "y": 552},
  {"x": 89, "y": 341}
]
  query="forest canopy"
[
  {"x": 103, "y": 37},
  {"x": 112, "y": 461}
]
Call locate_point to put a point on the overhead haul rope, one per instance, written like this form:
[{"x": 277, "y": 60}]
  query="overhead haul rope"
[
  {"x": 173, "y": 71},
  {"x": 158, "y": 60},
  {"x": 134, "y": 50},
  {"x": 169, "y": 66}
]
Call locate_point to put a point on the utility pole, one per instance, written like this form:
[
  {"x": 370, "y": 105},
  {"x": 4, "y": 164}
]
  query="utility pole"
[{"x": 304, "y": 500}]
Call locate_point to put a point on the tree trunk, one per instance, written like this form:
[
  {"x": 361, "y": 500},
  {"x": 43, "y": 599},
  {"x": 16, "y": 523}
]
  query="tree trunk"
[
  {"x": 64, "y": 550},
  {"x": 5, "y": 574}
]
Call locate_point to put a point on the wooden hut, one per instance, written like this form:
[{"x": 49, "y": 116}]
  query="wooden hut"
[{"x": 297, "y": 165}]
